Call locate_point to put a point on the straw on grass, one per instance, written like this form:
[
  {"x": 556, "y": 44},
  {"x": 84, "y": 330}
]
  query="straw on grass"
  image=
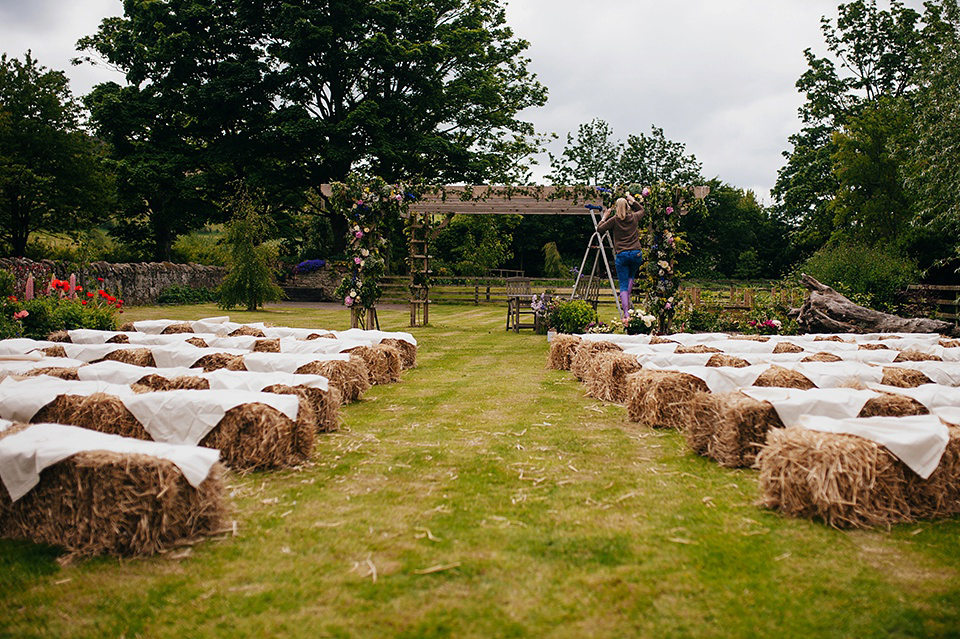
[
  {"x": 606, "y": 378},
  {"x": 383, "y": 362},
  {"x": 720, "y": 360},
  {"x": 730, "y": 428},
  {"x": 104, "y": 503},
  {"x": 916, "y": 356},
  {"x": 661, "y": 399},
  {"x": 842, "y": 480},
  {"x": 903, "y": 377},
  {"x": 787, "y": 347},
  {"x": 822, "y": 357},
  {"x": 562, "y": 348},
  {"x": 697, "y": 349},
  {"x": 408, "y": 351},
  {"x": 173, "y": 329},
  {"x": 350, "y": 377},
  {"x": 780, "y": 377},
  {"x": 248, "y": 331},
  {"x": 585, "y": 353}
]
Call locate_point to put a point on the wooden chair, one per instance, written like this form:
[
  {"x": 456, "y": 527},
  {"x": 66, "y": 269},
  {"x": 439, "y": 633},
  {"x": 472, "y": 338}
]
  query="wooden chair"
[
  {"x": 588, "y": 290},
  {"x": 519, "y": 296}
]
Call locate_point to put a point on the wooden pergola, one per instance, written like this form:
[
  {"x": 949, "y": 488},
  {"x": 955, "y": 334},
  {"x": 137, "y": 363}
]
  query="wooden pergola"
[{"x": 478, "y": 200}]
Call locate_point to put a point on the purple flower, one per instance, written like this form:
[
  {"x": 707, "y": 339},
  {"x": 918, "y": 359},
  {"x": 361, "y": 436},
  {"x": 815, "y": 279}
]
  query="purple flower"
[
  {"x": 358, "y": 234},
  {"x": 645, "y": 192},
  {"x": 357, "y": 260}
]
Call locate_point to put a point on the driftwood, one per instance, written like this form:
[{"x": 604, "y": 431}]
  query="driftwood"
[{"x": 827, "y": 311}]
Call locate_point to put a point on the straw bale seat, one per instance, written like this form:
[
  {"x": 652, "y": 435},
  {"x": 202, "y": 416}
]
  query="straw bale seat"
[
  {"x": 661, "y": 399},
  {"x": 562, "y": 348},
  {"x": 606, "y": 379},
  {"x": 585, "y": 352}
]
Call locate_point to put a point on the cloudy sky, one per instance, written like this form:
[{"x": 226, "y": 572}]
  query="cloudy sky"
[{"x": 716, "y": 75}]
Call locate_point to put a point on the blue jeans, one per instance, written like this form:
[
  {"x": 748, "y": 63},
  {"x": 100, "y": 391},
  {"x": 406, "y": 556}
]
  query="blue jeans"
[{"x": 627, "y": 262}]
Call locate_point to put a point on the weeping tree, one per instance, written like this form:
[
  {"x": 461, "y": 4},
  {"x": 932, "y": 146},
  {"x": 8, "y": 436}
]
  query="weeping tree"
[{"x": 250, "y": 280}]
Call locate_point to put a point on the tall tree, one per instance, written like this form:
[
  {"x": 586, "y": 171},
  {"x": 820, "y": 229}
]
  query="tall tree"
[
  {"x": 874, "y": 54},
  {"x": 289, "y": 94},
  {"x": 654, "y": 158},
  {"x": 589, "y": 158},
  {"x": 51, "y": 172}
]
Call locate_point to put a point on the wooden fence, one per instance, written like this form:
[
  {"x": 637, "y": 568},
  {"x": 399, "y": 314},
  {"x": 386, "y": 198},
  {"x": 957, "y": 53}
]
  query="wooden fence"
[
  {"x": 946, "y": 298},
  {"x": 495, "y": 292}
]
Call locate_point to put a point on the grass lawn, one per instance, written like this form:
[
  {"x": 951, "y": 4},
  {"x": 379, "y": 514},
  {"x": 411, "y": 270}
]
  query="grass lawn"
[{"x": 485, "y": 496}]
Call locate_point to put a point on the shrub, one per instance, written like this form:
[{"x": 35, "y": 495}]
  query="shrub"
[
  {"x": 199, "y": 248},
  {"x": 871, "y": 277},
  {"x": 250, "y": 281},
  {"x": 178, "y": 295},
  {"x": 56, "y": 311},
  {"x": 571, "y": 316}
]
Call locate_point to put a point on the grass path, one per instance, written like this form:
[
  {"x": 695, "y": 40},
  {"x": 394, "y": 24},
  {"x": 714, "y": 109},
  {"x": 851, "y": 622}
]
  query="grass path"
[{"x": 485, "y": 496}]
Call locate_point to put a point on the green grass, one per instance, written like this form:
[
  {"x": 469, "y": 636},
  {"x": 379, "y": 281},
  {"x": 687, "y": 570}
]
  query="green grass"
[{"x": 485, "y": 496}]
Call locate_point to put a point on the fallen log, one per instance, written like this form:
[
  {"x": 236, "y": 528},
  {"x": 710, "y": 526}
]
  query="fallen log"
[{"x": 827, "y": 311}]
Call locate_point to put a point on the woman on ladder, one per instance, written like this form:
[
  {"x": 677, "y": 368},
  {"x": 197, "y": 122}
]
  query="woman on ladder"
[{"x": 624, "y": 223}]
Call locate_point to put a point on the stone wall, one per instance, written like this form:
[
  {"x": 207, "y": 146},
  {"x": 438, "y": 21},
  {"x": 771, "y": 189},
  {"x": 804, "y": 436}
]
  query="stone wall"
[
  {"x": 318, "y": 286},
  {"x": 134, "y": 283}
]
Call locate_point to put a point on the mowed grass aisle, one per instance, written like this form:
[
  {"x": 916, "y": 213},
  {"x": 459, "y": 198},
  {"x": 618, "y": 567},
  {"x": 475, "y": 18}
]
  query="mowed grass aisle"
[{"x": 485, "y": 496}]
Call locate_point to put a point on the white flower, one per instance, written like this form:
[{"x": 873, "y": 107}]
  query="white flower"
[
  {"x": 365, "y": 252},
  {"x": 663, "y": 264},
  {"x": 353, "y": 293}
]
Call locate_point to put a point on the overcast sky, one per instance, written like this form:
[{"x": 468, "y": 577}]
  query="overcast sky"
[{"x": 716, "y": 75}]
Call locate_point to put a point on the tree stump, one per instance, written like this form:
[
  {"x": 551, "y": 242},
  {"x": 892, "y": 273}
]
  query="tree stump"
[{"x": 827, "y": 311}]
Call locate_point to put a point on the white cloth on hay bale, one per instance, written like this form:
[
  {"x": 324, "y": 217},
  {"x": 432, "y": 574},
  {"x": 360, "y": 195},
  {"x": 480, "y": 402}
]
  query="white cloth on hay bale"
[
  {"x": 122, "y": 373},
  {"x": 930, "y": 395},
  {"x": 918, "y": 441},
  {"x": 254, "y": 381},
  {"x": 25, "y": 454},
  {"x": 287, "y": 362},
  {"x": 791, "y": 404}
]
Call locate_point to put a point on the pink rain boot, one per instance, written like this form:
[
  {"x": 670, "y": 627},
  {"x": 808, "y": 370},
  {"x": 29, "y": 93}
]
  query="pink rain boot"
[{"x": 625, "y": 305}]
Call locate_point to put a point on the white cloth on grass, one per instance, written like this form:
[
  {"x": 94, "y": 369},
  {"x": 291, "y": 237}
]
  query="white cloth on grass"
[
  {"x": 25, "y": 454},
  {"x": 918, "y": 440}
]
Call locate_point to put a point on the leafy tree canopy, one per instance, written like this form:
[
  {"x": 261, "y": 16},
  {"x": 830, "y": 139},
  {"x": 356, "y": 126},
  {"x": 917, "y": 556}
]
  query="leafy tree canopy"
[{"x": 51, "y": 175}]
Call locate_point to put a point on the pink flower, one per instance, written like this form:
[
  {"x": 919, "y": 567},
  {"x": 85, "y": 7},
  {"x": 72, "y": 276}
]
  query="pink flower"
[
  {"x": 357, "y": 261},
  {"x": 669, "y": 210},
  {"x": 20, "y": 315},
  {"x": 358, "y": 234},
  {"x": 348, "y": 301},
  {"x": 645, "y": 192}
]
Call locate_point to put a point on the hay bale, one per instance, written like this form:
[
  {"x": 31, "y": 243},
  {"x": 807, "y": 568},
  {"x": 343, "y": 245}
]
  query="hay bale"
[
  {"x": 120, "y": 338},
  {"x": 58, "y": 411},
  {"x": 751, "y": 338},
  {"x": 349, "y": 377},
  {"x": 174, "y": 329},
  {"x": 107, "y": 414},
  {"x": 873, "y": 347},
  {"x": 661, "y": 399},
  {"x": 562, "y": 348},
  {"x": 154, "y": 382},
  {"x": 787, "y": 347},
  {"x": 822, "y": 357},
  {"x": 383, "y": 362},
  {"x": 63, "y": 372},
  {"x": 248, "y": 331},
  {"x": 313, "y": 336},
  {"x": 408, "y": 351},
  {"x": 916, "y": 356},
  {"x": 127, "y": 327},
  {"x": 719, "y": 360},
  {"x": 104, "y": 503},
  {"x": 584, "y": 354},
  {"x": 199, "y": 342},
  {"x": 256, "y": 436},
  {"x": 780, "y": 377},
  {"x": 267, "y": 346},
  {"x": 950, "y": 343},
  {"x": 829, "y": 338},
  {"x": 938, "y": 495},
  {"x": 891, "y": 405},
  {"x": 842, "y": 480},
  {"x": 216, "y": 361},
  {"x": 606, "y": 379},
  {"x": 324, "y": 406},
  {"x": 654, "y": 340},
  {"x": 135, "y": 356},
  {"x": 54, "y": 351},
  {"x": 699, "y": 348},
  {"x": 62, "y": 337},
  {"x": 903, "y": 377},
  {"x": 730, "y": 428}
]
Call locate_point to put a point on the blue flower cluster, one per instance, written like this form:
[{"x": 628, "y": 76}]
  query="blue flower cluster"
[{"x": 309, "y": 266}]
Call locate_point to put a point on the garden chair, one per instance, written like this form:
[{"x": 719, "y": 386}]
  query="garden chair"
[{"x": 519, "y": 296}]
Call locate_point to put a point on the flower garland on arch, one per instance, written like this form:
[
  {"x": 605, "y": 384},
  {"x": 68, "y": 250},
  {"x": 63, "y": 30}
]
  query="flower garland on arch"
[{"x": 368, "y": 204}]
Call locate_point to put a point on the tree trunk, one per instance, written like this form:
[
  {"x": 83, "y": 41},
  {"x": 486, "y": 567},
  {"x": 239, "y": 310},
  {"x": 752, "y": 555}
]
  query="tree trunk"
[{"x": 826, "y": 311}]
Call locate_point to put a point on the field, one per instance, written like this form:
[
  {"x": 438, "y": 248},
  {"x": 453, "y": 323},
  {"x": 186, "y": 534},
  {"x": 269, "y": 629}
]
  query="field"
[{"x": 486, "y": 496}]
